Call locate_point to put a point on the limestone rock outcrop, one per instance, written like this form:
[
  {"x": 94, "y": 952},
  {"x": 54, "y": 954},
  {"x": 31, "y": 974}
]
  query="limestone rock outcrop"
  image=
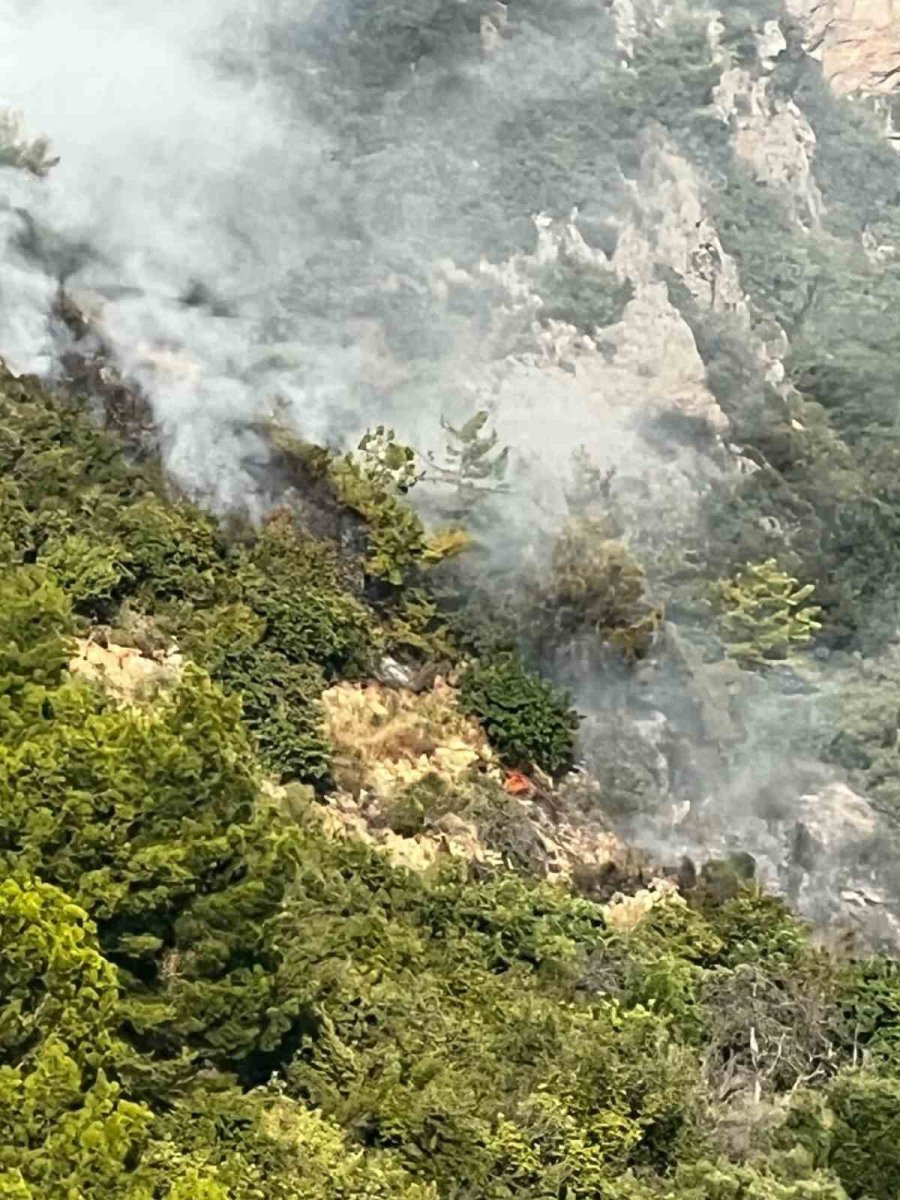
[
  {"x": 857, "y": 42},
  {"x": 128, "y": 673}
]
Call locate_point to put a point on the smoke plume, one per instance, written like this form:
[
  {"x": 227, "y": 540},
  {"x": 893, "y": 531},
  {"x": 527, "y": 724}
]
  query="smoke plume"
[{"x": 354, "y": 208}]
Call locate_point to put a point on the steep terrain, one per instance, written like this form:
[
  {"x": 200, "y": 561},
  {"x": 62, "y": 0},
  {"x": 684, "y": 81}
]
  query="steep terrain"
[{"x": 553, "y": 367}]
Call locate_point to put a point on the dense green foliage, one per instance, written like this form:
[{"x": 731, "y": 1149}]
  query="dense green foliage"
[
  {"x": 764, "y": 614},
  {"x": 526, "y": 719},
  {"x": 271, "y": 615},
  {"x": 583, "y": 296},
  {"x": 149, "y": 822},
  {"x": 205, "y": 995},
  {"x": 66, "y": 1129}
]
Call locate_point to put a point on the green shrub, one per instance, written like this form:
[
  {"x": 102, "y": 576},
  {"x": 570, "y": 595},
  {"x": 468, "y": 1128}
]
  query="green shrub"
[
  {"x": 279, "y": 697},
  {"x": 784, "y": 1178},
  {"x": 263, "y": 1144},
  {"x": 870, "y": 1000},
  {"x": 854, "y": 1131},
  {"x": 755, "y": 926},
  {"x": 54, "y": 430},
  {"x": 396, "y": 535},
  {"x": 397, "y": 540},
  {"x": 596, "y": 583},
  {"x": 527, "y": 721},
  {"x": 294, "y": 582},
  {"x": 370, "y": 484},
  {"x": 35, "y": 624},
  {"x": 150, "y": 822},
  {"x": 90, "y": 570},
  {"x": 764, "y": 614},
  {"x": 281, "y": 708},
  {"x": 414, "y": 624},
  {"x": 582, "y": 294},
  {"x": 173, "y": 550},
  {"x": 16, "y": 533},
  {"x": 212, "y": 636},
  {"x": 65, "y": 1130}
]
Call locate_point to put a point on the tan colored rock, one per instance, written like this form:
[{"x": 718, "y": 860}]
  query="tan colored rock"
[
  {"x": 127, "y": 673},
  {"x": 668, "y": 227},
  {"x": 625, "y": 913},
  {"x": 858, "y": 42},
  {"x": 654, "y": 361},
  {"x": 631, "y": 17},
  {"x": 492, "y": 25},
  {"x": 837, "y": 821},
  {"x": 649, "y": 363},
  {"x": 773, "y": 138},
  {"x": 770, "y": 43}
]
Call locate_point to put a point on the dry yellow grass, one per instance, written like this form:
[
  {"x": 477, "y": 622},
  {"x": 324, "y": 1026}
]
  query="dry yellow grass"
[{"x": 386, "y": 739}]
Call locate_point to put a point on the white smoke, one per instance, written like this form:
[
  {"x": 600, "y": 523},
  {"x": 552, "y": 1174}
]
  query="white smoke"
[
  {"x": 171, "y": 175},
  {"x": 189, "y": 166}
]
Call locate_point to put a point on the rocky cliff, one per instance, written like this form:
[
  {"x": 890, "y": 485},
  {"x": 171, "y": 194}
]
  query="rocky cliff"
[{"x": 856, "y": 41}]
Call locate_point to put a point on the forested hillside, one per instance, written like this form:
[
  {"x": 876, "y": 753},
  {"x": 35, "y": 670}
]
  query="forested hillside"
[
  {"x": 205, "y": 994},
  {"x": 449, "y": 577}
]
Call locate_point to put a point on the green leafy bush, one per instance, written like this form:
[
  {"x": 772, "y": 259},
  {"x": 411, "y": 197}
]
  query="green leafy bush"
[
  {"x": 397, "y": 540},
  {"x": 90, "y": 571},
  {"x": 173, "y": 550},
  {"x": 279, "y": 697},
  {"x": 853, "y": 1130},
  {"x": 596, "y": 583},
  {"x": 150, "y": 822},
  {"x": 294, "y": 583},
  {"x": 281, "y": 708},
  {"x": 414, "y": 624},
  {"x": 765, "y": 615},
  {"x": 527, "y": 721},
  {"x": 65, "y": 1129},
  {"x": 264, "y": 1144},
  {"x": 15, "y": 524},
  {"x": 582, "y": 295},
  {"x": 870, "y": 1000},
  {"x": 370, "y": 483},
  {"x": 35, "y": 624},
  {"x": 778, "y": 1178}
]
